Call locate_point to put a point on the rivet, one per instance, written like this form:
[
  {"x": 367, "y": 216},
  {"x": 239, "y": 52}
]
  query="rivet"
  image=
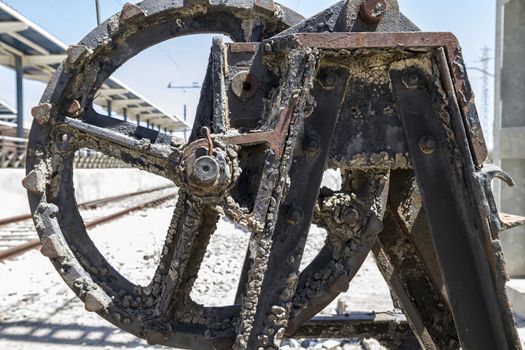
[
  {"x": 375, "y": 225},
  {"x": 41, "y": 113},
  {"x": 294, "y": 214},
  {"x": 328, "y": 80},
  {"x": 311, "y": 145},
  {"x": 350, "y": 216},
  {"x": 411, "y": 79},
  {"x": 268, "y": 47},
  {"x": 428, "y": 145}
]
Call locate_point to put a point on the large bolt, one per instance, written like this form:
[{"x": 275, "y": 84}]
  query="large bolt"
[
  {"x": 206, "y": 171},
  {"x": 373, "y": 10},
  {"x": 428, "y": 145}
]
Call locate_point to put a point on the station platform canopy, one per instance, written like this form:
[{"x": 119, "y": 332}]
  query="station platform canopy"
[
  {"x": 8, "y": 121},
  {"x": 7, "y": 113},
  {"x": 41, "y": 53}
]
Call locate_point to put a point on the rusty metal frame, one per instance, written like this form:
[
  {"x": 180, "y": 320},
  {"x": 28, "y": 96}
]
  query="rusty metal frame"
[
  {"x": 303, "y": 104},
  {"x": 408, "y": 40}
]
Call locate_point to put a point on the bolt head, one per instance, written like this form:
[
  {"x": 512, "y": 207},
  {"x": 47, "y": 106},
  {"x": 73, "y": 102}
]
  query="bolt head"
[
  {"x": 373, "y": 10},
  {"x": 350, "y": 216},
  {"x": 412, "y": 79},
  {"x": 328, "y": 80},
  {"x": 428, "y": 145},
  {"x": 311, "y": 145}
]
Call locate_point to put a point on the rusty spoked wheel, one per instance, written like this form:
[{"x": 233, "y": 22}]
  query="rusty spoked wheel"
[{"x": 240, "y": 167}]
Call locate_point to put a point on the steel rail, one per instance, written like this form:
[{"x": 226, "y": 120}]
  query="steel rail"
[
  {"x": 88, "y": 205},
  {"x": 22, "y": 248}
]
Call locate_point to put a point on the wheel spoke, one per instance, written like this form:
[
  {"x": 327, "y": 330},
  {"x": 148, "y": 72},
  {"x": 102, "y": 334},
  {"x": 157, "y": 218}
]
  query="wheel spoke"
[
  {"x": 188, "y": 236},
  {"x": 353, "y": 226},
  {"x": 139, "y": 147}
]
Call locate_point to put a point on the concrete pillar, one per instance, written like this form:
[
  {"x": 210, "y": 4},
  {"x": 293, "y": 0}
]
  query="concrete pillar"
[
  {"x": 510, "y": 123},
  {"x": 19, "y": 71}
]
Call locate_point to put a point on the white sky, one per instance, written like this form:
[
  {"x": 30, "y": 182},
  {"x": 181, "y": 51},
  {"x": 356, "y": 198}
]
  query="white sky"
[{"x": 184, "y": 60}]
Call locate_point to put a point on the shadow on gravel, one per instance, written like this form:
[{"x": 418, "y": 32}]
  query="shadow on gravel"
[{"x": 72, "y": 334}]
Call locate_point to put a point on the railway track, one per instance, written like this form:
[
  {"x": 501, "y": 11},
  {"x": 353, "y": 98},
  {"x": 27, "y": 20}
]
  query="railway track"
[{"x": 17, "y": 234}]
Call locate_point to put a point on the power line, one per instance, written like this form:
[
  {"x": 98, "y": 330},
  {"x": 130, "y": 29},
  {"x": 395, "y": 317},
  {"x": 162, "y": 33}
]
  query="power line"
[{"x": 172, "y": 60}]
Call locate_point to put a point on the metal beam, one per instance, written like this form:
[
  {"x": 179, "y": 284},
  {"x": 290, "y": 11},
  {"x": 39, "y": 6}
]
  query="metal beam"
[
  {"x": 141, "y": 109},
  {"x": 39, "y": 60},
  {"x": 112, "y": 92},
  {"x": 126, "y": 102},
  {"x": 29, "y": 43},
  {"x": 12, "y": 27}
]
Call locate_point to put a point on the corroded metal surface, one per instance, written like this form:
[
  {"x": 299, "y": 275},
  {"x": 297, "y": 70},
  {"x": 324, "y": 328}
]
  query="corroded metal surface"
[{"x": 286, "y": 99}]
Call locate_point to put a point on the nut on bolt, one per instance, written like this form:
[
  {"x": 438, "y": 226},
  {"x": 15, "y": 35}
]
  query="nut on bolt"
[
  {"x": 373, "y": 10},
  {"x": 206, "y": 172}
]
